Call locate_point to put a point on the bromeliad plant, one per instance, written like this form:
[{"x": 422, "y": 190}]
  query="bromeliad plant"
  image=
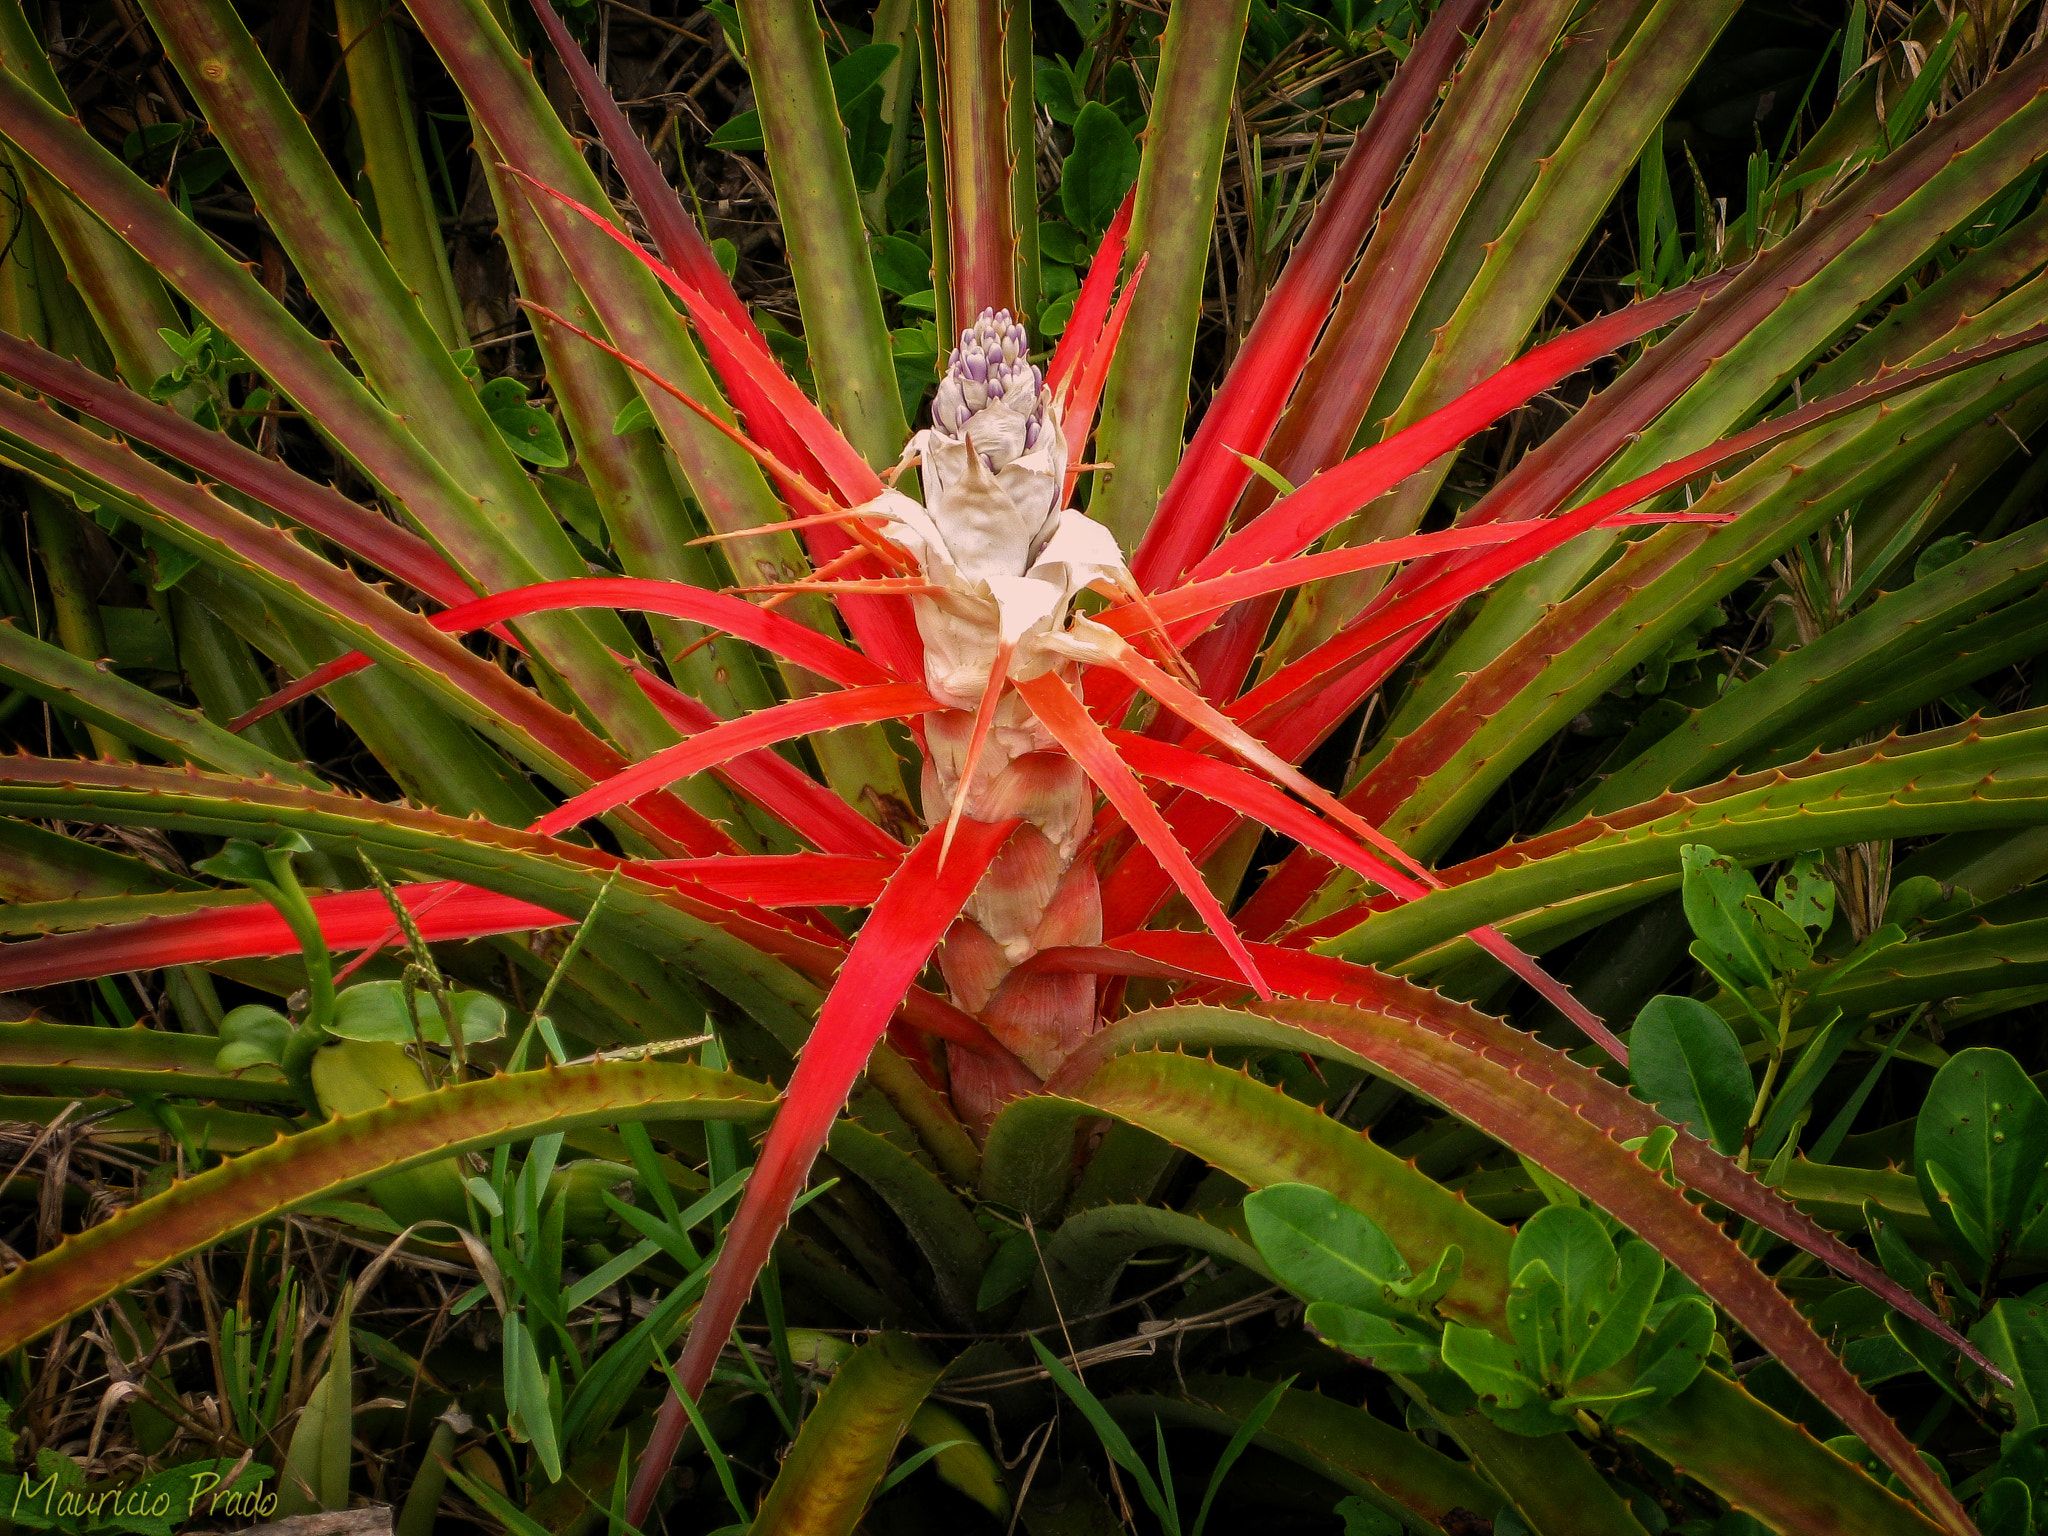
[{"x": 764, "y": 658}]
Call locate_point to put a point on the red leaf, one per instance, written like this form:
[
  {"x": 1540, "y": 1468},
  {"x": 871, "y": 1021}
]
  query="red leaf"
[
  {"x": 894, "y": 945},
  {"x": 729, "y": 738},
  {"x": 353, "y": 919},
  {"x": 672, "y": 599},
  {"x": 1084, "y": 326},
  {"x": 775, "y": 783},
  {"x": 1241, "y": 418},
  {"x": 1060, "y": 712},
  {"x": 359, "y": 530},
  {"x": 1295, "y": 522}
]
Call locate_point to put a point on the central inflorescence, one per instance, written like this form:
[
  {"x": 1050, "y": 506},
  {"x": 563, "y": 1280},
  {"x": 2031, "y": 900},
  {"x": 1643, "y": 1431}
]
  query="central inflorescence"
[{"x": 1006, "y": 559}]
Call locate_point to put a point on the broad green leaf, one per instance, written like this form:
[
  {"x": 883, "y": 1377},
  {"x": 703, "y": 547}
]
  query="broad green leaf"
[
  {"x": 1362, "y": 1519},
  {"x": 1426, "y": 1289},
  {"x": 634, "y": 416},
  {"x": 2014, "y": 1337},
  {"x": 1979, "y": 1147},
  {"x": 1713, "y": 893},
  {"x": 1015, "y": 1261},
  {"x": 961, "y": 1458},
  {"x": 1671, "y": 1357},
  {"x": 1322, "y": 1249},
  {"x": 243, "y": 862},
  {"x": 1058, "y": 91},
  {"x": 1923, "y": 898},
  {"x": 1101, "y": 168},
  {"x": 1382, "y": 1342},
  {"x": 1684, "y": 1059},
  {"x": 252, "y": 1035},
  {"x": 851, "y": 78},
  {"x": 1619, "y": 1315},
  {"x": 376, "y": 1010},
  {"x": 1539, "y": 1316},
  {"x": 1491, "y": 1367},
  {"x": 2007, "y": 1509},
  {"x": 529, "y": 429},
  {"x": 901, "y": 266},
  {"x": 1567, "y": 1246}
]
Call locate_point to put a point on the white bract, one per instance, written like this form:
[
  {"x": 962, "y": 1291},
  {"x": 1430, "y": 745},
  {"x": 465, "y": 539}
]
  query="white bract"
[{"x": 991, "y": 534}]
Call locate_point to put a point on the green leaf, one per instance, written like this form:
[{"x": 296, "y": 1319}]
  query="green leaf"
[
  {"x": 851, "y": 78},
  {"x": 1785, "y": 943},
  {"x": 138, "y": 640},
  {"x": 1620, "y": 1313},
  {"x": 2014, "y": 1337},
  {"x": 1671, "y": 1357},
  {"x": 530, "y": 429},
  {"x": 1713, "y": 894},
  {"x": 1855, "y": 42},
  {"x": 1114, "y": 1440},
  {"x": 532, "y": 1414},
  {"x": 1568, "y": 1247},
  {"x": 1058, "y": 92},
  {"x": 1538, "y": 1316},
  {"x": 1684, "y": 1059},
  {"x": 1015, "y": 1261},
  {"x": 901, "y": 266},
  {"x": 1979, "y": 1147},
  {"x": 1923, "y": 899},
  {"x": 1246, "y": 1432},
  {"x": 323, "y": 1444},
  {"x": 634, "y": 416},
  {"x": 575, "y": 503},
  {"x": 1062, "y": 243},
  {"x": 1101, "y": 168},
  {"x": 1490, "y": 1366},
  {"x": 376, "y": 1010},
  {"x": 1381, "y": 1342},
  {"x": 1322, "y": 1249},
  {"x": 1362, "y": 1519},
  {"x": 252, "y": 1035},
  {"x": 2007, "y": 1509},
  {"x": 1943, "y": 551}
]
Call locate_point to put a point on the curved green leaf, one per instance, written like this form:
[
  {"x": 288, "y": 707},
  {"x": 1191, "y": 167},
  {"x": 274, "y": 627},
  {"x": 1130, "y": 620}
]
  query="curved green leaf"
[
  {"x": 844, "y": 1447},
  {"x": 151, "y": 1061},
  {"x": 1076, "y": 1267},
  {"x": 1261, "y": 1137},
  {"x": 1347, "y": 1445},
  {"x": 99, "y": 1262}
]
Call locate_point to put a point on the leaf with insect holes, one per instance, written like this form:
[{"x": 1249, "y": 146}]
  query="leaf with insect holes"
[
  {"x": 1396, "y": 1347},
  {"x": 1979, "y": 1149},
  {"x": 1713, "y": 893},
  {"x": 1805, "y": 894},
  {"x": 1785, "y": 943}
]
